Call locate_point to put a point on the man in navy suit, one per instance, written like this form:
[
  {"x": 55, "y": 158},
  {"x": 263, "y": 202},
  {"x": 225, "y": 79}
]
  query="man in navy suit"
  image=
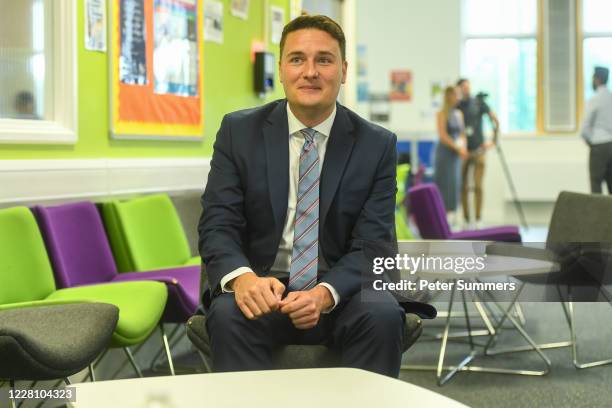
[{"x": 284, "y": 272}]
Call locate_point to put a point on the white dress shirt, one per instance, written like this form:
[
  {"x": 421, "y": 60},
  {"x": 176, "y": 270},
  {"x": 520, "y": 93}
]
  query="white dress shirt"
[
  {"x": 597, "y": 123},
  {"x": 282, "y": 263}
]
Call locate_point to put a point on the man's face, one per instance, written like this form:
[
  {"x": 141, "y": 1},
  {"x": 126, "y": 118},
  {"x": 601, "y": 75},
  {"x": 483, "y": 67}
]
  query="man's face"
[
  {"x": 595, "y": 83},
  {"x": 311, "y": 69}
]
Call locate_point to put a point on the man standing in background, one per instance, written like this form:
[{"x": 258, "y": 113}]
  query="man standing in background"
[
  {"x": 473, "y": 110},
  {"x": 597, "y": 131}
]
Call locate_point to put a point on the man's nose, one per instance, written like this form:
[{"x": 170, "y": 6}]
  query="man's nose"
[{"x": 310, "y": 70}]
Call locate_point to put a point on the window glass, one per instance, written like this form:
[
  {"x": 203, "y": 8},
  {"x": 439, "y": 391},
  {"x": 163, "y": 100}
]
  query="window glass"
[
  {"x": 25, "y": 59},
  {"x": 505, "y": 69},
  {"x": 499, "y": 17},
  {"x": 596, "y": 52}
]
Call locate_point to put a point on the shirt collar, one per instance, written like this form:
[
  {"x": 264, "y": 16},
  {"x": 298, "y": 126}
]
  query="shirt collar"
[{"x": 324, "y": 128}]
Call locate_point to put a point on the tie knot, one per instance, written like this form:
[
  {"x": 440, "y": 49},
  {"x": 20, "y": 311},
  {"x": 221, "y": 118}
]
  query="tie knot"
[{"x": 309, "y": 134}]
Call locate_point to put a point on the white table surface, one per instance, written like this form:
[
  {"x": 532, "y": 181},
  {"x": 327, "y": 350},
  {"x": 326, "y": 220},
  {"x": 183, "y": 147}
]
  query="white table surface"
[
  {"x": 495, "y": 265},
  {"x": 303, "y": 388}
]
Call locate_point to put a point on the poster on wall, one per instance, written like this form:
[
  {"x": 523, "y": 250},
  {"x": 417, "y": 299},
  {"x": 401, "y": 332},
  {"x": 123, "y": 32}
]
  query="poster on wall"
[
  {"x": 240, "y": 9},
  {"x": 155, "y": 69},
  {"x": 133, "y": 37},
  {"x": 95, "y": 25},
  {"x": 401, "y": 86},
  {"x": 213, "y": 21},
  {"x": 175, "y": 49},
  {"x": 277, "y": 22}
]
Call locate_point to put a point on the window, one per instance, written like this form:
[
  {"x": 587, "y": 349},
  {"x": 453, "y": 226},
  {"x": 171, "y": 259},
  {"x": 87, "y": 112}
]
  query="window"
[
  {"x": 597, "y": 39},
  {"x": 499, "y": 57},
  {"x": 37, "y": 71}
]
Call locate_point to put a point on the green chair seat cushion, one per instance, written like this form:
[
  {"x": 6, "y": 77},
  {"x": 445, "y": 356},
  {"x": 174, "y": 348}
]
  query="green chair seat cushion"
[
  {"x": 53, "y": 341},
  {"x": 196, "y": 260},
  {"x": 140, "y": 304}
]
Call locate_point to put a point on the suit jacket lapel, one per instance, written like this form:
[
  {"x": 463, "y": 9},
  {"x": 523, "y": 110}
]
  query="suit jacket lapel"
[
  {"x": 276, "y": 141},
  {"x": 338, "y": 151}
]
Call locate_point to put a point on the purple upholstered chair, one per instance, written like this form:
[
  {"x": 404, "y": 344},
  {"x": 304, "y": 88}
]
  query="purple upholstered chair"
[
  {"x": 428, "y": 211},
  {"x": 80, "y": 254}
]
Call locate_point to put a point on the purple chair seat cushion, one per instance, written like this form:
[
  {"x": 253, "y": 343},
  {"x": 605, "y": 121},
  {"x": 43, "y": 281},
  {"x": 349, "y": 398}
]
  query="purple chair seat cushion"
[{"x": 505, "y": 233}]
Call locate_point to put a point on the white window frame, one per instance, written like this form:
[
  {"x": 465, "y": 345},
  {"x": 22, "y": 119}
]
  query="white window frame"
[{"x": 61, "y": 128}]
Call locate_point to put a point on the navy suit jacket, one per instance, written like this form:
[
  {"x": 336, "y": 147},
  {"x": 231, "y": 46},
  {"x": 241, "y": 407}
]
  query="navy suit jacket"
[{"x": 245, "y": 200}]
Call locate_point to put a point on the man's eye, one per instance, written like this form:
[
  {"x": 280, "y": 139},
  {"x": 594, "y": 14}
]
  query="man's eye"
[
  {"x": 325, "y": 60},
  {"x": 295, "y": 60}
]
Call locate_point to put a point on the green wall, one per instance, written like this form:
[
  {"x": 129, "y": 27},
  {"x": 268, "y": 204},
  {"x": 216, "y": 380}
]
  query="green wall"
[{"x": 228, "y": 84}]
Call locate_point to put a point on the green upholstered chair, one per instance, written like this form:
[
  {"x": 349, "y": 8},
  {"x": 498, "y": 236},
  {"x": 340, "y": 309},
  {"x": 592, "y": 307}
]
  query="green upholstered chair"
[
  {"x": 401, "y": 223},
  {"x": 146, "y": 233},
  {"x": 26, "y": 279}
]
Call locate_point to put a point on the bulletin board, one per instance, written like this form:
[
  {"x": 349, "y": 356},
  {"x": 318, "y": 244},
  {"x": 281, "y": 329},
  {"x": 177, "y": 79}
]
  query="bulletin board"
[{"x": 156, "y": 69}]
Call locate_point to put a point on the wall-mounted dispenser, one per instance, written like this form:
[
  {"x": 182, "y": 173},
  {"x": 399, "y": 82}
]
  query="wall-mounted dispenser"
[{"x": 264, "y": 72}]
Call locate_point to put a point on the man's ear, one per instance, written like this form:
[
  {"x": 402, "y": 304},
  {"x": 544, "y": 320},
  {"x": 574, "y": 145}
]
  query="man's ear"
[
  {"x": 280, "y": 71},
  {"x": 344, "y": 68}
]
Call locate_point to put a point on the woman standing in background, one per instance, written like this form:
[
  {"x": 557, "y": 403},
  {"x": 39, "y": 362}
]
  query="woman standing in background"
[{"x": 450, "y": 150}]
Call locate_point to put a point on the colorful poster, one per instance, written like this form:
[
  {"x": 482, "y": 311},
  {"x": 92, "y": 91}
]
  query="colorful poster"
[
  {"x": 277, "y": 23},
  {"x": 156, "y": 79},
  {"x": 213, "y": 21},
  {"x": 401, "y": 86},
  {"x": 175, "y": 50},
  {"x": 133, "y": 58},
  {"x": 240, "y": 9},
  {"x": 95, "y": 25}
]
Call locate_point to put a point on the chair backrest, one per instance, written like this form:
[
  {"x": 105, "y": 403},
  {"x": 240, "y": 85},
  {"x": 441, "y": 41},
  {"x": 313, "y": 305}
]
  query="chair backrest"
[
  {"x": 25, "y": 271},
  {"x": 581, "y": 218},
  {"x": 147, "y": 232},
  {"x": 427, "y": 209},
  {"x": 76, "y": 243},
  {"x": 403, "y": 170}
]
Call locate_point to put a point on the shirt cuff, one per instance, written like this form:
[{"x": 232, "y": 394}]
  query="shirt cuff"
[
  {"x": 233, "y": 274},
  {"x": 334, "y": 294}
]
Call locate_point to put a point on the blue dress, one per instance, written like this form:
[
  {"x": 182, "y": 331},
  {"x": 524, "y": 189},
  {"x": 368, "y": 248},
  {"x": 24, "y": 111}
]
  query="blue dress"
[{"x": 447, "y": 168}]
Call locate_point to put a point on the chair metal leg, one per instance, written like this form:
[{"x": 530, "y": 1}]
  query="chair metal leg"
[
  {"x": 508, "y": 315},
  {"x": 571, "y": 322},
  {"x": 124, "y": 362},
  {"x": 518, "y": 312},
  {"x": 92, "y": 374},
  {"x": 167, "y": 348},
  {"x": 161, "y": 350},
  {"x": 488, "y": 349},
  {"x": 440, "y": 366},
  {"x": 133, "y": 362},
  {"x": 12, "y": 385},
  {"x": 464, "y": 364}
]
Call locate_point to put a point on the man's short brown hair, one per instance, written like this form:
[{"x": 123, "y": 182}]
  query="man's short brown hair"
[{"x": 318, "y": 22}]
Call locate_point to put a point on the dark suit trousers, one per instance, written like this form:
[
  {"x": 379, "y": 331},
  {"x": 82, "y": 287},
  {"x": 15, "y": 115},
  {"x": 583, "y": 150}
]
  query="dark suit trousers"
[
  {"x": 366, "y": 333},
  {"x": 600, "y": 167}
]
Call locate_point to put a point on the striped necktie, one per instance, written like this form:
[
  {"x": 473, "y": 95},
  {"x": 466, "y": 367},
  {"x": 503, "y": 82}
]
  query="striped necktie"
[{"x": 305, "y": 255}]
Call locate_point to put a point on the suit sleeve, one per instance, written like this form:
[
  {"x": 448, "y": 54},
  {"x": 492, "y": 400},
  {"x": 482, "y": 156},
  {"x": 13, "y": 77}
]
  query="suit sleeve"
[
  {"x": 375, "y": 225},
  {"x": 222, "y": 223}
]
